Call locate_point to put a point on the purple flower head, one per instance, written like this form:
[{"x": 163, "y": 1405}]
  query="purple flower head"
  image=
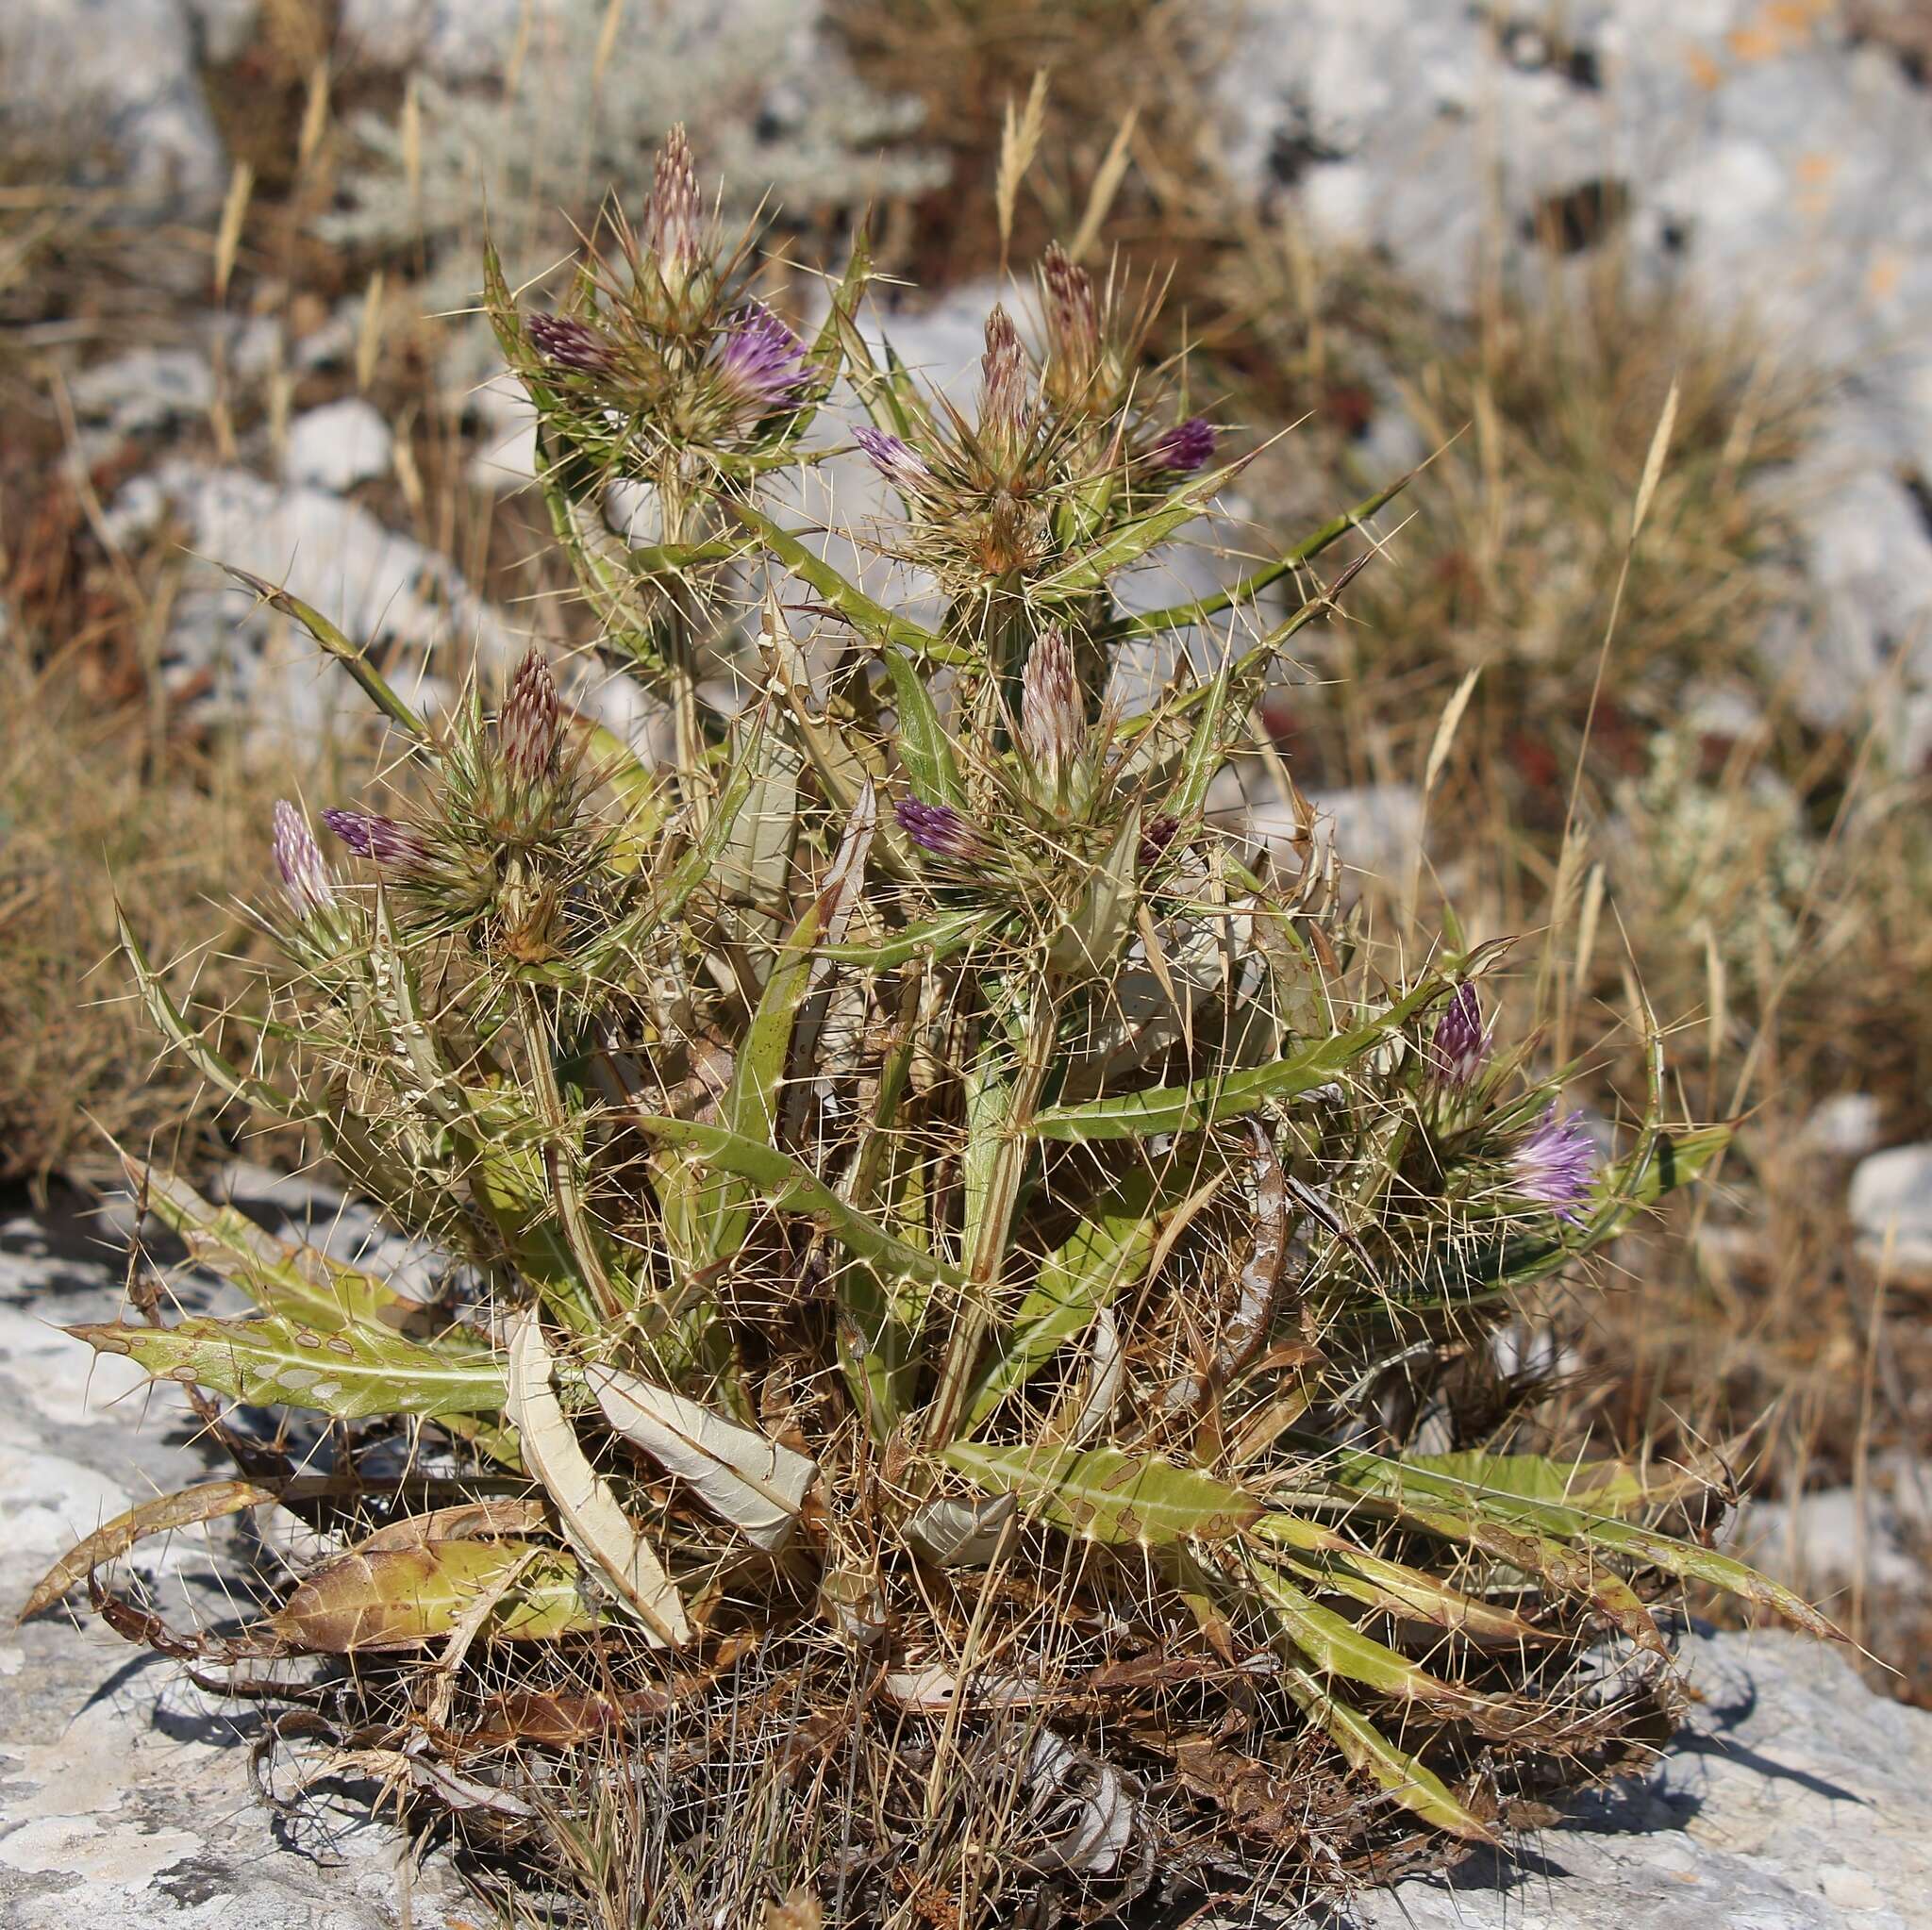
[
  {"x": 305, "y": 878},
  {"x": 527, "y": 728},
  {"x": 380, "y": 840},
  {"x": 761, "y": 360},
  {"x": 1555, "y": 1163},
  {"x": 1184, "y": 449},
  {"x": 901, "y": 466},
  {"x": 1004, "y": 405},
  {"x": 1461, "y": 1044},
  {"x": 1155, "y": 836},
  {"x": 1053, "y": 719},
  {"x": 571, "y": 344},
  {"x": 939, "y": 830},
  {"x": 670, "y": 220}
]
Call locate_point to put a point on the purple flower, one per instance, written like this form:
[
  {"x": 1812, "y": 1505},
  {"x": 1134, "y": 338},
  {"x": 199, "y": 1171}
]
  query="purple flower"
[
  {"x": 1053, "y": 719},
  {"x": 571, "y": 344},
  {"x": 900, "y": 465},
  {"x": 382, "y": 841},
  {"x": 761, "y": 360},
  {"x": 670, "y": 220},
  {"x": 1555, "y": 1163},
  {"x": 939, "y": 830},
  {"x": 1184, "y": 449},
  {"x": 305, "y": 878},
  {"x": 528, "y": 726},
  {"x": 1461, "y": 1044}
]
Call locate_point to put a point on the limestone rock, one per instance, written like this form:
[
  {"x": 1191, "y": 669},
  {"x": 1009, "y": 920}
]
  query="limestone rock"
[
  {"x": 125, "y": 74},
  {"x": 1745, "y": 158},
  {"x": 1891, "y": 1207},
  {"x": 1796, "y": 1799},
  {"x": 385, "y": 591},
  {"x": 338, "y": 446},
  {"x": 123, "y": 1793}
]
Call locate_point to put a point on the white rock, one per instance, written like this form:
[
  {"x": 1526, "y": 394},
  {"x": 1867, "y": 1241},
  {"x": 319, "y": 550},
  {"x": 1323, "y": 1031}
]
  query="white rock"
[
  {"x": 1825, "y": 1542},
  {"x": 224, "y": 27},
  {"x": 507, "y": 457},
  {"x": 1845, "y": 1126},
  {"x": 1891, "y": 1208},
  {"x": 337, "y": 445},
  {"x": 143, "y": 390},
  {"x": 1798, "y": 1801},
  {"x": 453, "y": 40},
  {"x": 1751, "y": 157},
  {"x": 128, "y": 70},
  {"x": 379, "y": 587}
]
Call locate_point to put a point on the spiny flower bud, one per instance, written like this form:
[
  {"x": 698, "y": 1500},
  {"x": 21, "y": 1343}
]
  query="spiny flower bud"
[
  {"x": 939, "y": 830},
  {"x": 1073, "y": 324},
  {"x": 761, "y": 360},
  {"x": 1555, "y": 1163},
  {"x": 1155, "y": 836},
  {"x": 1051, "y": 717},
  {"x": 1462, "y": 1044},
  {"x": 571, "y": 344},
  {"x": 901, "y": 466},
  {"x": 305, "y": 878},
  {"x": 528, "y": 728},
  {"x": 1003, "y": 402},
  {"x": 393, "y": 846},
  {"x": 1184, "y": 449},
  {"x": 671, "y": 222}
]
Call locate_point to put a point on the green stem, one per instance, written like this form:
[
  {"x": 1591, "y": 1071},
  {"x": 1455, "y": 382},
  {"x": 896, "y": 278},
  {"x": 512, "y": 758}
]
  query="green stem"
[{"x": 988, "y": 1240}]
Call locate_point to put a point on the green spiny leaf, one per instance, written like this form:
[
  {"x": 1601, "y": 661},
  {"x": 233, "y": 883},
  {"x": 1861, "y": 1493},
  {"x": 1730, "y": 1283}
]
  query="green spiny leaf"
[
  {"x": 1106, "y": 1494},
  {"x": 1106, "y": 1254},
  {"x": 1227, "y": 1095},
  {"x": 350, "y": 1373}
]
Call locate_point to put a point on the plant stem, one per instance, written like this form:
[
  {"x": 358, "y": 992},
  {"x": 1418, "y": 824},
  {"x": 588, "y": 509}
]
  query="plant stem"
[{"x": 987, "y": 1242}]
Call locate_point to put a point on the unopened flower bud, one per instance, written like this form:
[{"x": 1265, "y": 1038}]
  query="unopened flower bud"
[
  {"x": 305, "y": 878},
  {"x": 1053, "y": 719},
  {"x": 1184, "y": 449},
  {"x": 1155, "y": 836},
  {"x": 1462, "y": 1044},
  {"x": 1073, "y": 324},
  {"x": 901, "y": 466},
  {"x": 939, "y": 830},
  {"x": 571, "y": 344},
  {"x": 527, "y": 728},
  {"x": 382, "y": 841},
  {"x": 671, "y": 222},
  {"x": 761, "y": 360},
  {"x": 1003, "y": 402}
]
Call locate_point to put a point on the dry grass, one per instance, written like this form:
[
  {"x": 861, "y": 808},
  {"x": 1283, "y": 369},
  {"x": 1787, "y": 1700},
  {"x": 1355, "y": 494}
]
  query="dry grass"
[{"x": 91, "y": 806}]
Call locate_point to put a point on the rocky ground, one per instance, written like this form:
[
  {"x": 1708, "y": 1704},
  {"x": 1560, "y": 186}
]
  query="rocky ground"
[{"x": 1796, "y": 1799}]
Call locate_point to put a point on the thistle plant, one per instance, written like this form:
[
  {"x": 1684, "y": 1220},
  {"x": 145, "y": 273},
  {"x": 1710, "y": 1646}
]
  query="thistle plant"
[{"x": 958, "y": 1263}]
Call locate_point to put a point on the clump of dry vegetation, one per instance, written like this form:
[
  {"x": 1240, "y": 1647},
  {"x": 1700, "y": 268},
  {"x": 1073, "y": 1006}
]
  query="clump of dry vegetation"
[{"x": 979, "y": 1383}]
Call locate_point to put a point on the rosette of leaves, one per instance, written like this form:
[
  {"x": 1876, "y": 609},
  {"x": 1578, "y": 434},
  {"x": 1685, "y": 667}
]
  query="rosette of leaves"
[{"x": 973, "y": 1389}]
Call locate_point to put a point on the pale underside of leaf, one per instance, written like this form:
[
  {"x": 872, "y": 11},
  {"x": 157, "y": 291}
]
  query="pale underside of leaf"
[
  {"x": 593, "y": 1519},
  {"x": 753, "y": 1482}
]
